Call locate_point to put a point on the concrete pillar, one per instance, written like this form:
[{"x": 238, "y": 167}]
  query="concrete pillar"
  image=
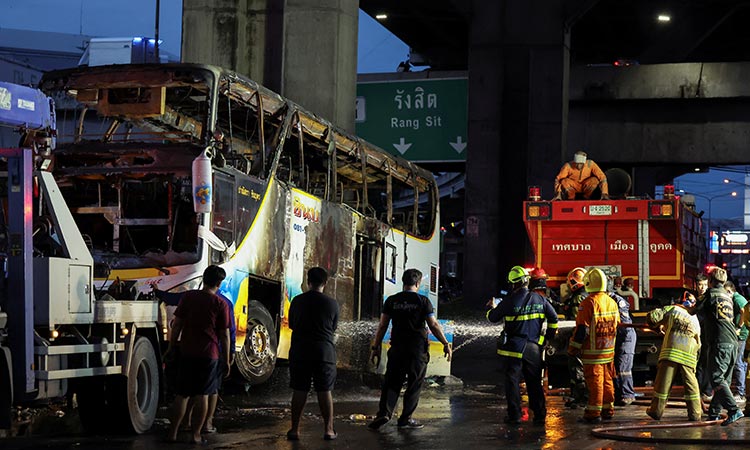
[
  {"x": 304, "y": 49},
  {"x": 518, "y": 78}
]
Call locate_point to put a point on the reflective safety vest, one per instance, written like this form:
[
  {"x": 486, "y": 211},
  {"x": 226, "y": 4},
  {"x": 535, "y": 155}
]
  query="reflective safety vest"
[
  {"x": 596, "y": 329},
  {"x": 682, "y": 334},
  {"x": 524, "y": 313}
]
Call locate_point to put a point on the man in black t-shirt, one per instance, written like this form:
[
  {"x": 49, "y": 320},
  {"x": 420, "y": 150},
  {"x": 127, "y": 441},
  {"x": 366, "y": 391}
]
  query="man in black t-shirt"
[
  {"x": 408, "y": 355},
  {"x": 313, "y": 318}
]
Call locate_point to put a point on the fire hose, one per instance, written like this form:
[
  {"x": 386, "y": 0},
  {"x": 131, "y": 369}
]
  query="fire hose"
[{"x": 620, "y": 433}]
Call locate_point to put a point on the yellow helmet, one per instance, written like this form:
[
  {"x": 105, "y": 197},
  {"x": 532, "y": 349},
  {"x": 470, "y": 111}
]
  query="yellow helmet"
[
  {"x": 595, "y": 280},
  {"x": 518, "y": 275}
]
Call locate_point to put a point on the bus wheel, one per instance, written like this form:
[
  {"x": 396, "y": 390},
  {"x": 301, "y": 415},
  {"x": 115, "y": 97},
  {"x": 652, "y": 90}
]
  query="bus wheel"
[{"x": 257, "y": 358}]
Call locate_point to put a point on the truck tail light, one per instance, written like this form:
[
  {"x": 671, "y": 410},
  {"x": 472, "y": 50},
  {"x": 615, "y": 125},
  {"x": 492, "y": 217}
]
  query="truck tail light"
[
  {"x": 669, "y": 191},
  {"x": 535, "y": 193},
  {"x": 664, "y": 210},
  {"x": 539, "y": 211}
]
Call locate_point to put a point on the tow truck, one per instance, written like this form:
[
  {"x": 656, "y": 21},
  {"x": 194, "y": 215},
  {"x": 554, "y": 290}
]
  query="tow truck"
[
  {"x": 59, "y": 333},
  {"x": 657, "y": 242}
]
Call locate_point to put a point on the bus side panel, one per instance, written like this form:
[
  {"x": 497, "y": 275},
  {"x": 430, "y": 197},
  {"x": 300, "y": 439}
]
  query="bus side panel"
[
  {"x": 321, "y": 234},
  {"x": 259, "y": 252},
  {"x": 403, "y": 251}
]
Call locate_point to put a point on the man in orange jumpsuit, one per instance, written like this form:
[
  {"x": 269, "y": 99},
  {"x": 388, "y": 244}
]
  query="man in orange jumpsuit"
[
  {"x": 594, "y": 340},
  {"x": 580, "y": 176}
]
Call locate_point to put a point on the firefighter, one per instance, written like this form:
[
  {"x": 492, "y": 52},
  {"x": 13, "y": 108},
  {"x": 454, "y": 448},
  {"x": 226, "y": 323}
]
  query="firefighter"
[
  {"x": 624, "y": 352},
  {"x": 578, "y": 391},
  {"x": 594, "y": 340},
  {"x": 524, "y": 312},
  {"x": 577, "y": 293},
  {"x": 538, "y": 281},
  {"x": 679, "y": 354},
  {"x": 628, "y": 291},
  {"x": 580, "y": 176},
  {"x": 721, "y": 340}
]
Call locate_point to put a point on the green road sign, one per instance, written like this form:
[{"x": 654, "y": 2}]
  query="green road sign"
[{"x": 420, "y": 120}]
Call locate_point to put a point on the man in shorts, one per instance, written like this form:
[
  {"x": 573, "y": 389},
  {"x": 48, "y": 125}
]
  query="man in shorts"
[
  {"x": 313, "y": 318},
  {"x": 412, "y": 314},
  {"x": 202, "y": 324}
]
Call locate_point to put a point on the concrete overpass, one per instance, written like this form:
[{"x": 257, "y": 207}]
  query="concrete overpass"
[{"x": 532, "y": 92}]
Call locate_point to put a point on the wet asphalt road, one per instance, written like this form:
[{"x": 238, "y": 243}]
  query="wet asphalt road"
[
  {"x": 464, "y": 418},
  {"x": 467, "y": 418}
]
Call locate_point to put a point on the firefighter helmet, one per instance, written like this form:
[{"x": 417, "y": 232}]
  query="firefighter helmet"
[
  {"x": 595, "y": 280},
  {"x": 518, "y": 275},
  {"x": 538, "y": 278},
  {"x": 575, "y": 279},
  {"x": 538, "y": 272}
]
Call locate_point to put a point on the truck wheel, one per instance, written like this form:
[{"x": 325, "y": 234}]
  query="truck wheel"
[
  {"x": 257, "y": 358},
  {"x": 140, "y": 389}
]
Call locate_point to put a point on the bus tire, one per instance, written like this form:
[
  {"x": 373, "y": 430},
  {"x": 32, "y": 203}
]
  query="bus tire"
[
  {"x": 139, "y": 392},
  {"x": 257, "y": 358}
]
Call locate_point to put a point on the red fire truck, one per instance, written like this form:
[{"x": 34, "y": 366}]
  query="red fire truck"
[{"x": 657, "y": 242}]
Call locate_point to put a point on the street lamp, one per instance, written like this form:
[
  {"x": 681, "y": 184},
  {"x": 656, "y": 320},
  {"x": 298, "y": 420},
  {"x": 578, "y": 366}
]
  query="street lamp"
[{"x": 710, "y": 199}]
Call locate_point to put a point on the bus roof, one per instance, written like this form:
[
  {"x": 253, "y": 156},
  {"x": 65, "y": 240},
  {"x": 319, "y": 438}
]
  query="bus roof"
[{"x": 153, "y": 75}]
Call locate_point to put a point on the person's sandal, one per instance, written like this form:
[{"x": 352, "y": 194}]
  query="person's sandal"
[{"x": 330, "y": 437}]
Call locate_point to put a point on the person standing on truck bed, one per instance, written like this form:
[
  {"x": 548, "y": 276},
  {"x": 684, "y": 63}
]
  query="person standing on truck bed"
[
  {"x": 679, "y": 354},
  {"x": 524, "y": 313},
  {"x": 739, "y": 374},
  {"x": 313, "y": 319},
  {"x": 594, "y": 339},
  {"x": 580, "y": 176},
  {"x": 202, "y": 325},
  {"x": 721, "y": 340},
  {"x": 409, "y": 352},
  {"x": 578, "y": 392}
]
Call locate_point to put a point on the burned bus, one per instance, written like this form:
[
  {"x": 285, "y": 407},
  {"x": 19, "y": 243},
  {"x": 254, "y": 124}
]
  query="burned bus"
[{"x": 169, "y": 168}]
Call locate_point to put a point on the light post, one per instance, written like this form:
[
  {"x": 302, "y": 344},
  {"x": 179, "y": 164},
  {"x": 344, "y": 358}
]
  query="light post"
[
  {"x": 746, "y": 200},
  {"x": 710, "y": 199}
]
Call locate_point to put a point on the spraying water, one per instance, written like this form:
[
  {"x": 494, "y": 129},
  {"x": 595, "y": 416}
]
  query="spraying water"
[{"x": 466, "y": 332}]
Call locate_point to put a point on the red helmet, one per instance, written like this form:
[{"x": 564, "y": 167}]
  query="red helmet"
[
  {"x": 538, "y": 278},
  {"x": 575, "y": 278},
  {"x": 538, "y": 272}
]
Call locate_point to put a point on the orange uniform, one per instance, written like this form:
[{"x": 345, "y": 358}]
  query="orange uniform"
[
  {"x": 594, "y": 340},
  {"x": 571, "y": 180}
]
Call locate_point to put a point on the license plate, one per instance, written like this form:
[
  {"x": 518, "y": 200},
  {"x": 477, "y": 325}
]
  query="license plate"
[{"x": 600, "y": 210}]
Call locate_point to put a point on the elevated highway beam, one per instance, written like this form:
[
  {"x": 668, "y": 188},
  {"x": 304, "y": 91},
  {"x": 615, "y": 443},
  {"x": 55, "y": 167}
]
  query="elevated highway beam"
[{"x": 662, "y": 114}]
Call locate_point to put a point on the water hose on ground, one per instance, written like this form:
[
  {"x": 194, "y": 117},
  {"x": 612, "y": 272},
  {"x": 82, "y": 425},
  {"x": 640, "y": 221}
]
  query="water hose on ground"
[{"x": 644, "y": 436}]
